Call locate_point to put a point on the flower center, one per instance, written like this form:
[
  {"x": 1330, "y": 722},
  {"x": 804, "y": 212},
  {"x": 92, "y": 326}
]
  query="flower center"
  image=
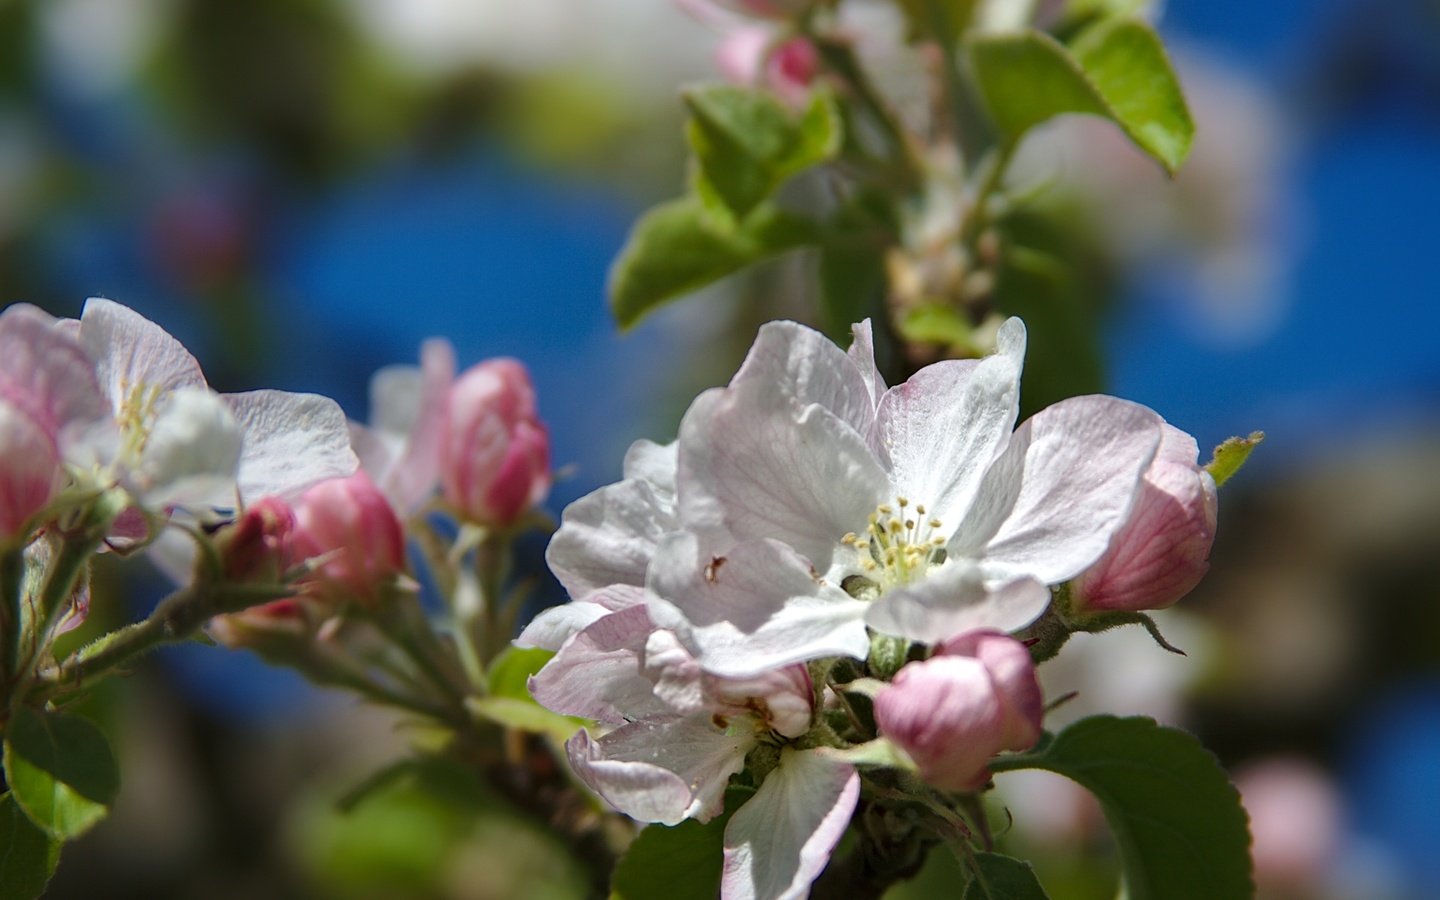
[
  {"x": 136, "y": 416},
  {"x": 898, "y": 546}
]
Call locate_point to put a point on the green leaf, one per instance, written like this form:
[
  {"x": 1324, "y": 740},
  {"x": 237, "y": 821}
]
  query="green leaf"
[
  {"x": 1177, "y": 820},
  {"x": 746, "y": 143},
  {"x": 61, "y": 771},
  {"x": 526, "y": 715},
  {"x": 1231, "y": 455},
  {"x": 1117, "y": 69},
  {"x": 510, "y": 673},
  {"x": 27, "y": 855},
  {"x": 678, "y": 863},
  {"x": 1003, "y": 878},
  {"x": 937, "y": 323},
  {"x": 677, "y": 247}
]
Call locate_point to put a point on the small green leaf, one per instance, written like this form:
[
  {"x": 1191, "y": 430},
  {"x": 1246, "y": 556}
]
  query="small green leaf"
[
  {"x": 678, "y": 247},
  {"x": 510, "y": 673},
  {"x": 1231, "y": 455},
  {"x": 937, "y": 323},
  {"x": 746, "y": 143},
  {"x": 61, "y": 771},
  {"x": 678, "y": 863},
  {"x": 1177, "y": 820},
  {"x": 1117, "y": 70},
  {"x": 526, "y": 715},
  {"x": 27, "y": 855},
  {"x": 1003, "y": 878}
]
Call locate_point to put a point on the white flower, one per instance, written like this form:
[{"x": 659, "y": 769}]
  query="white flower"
[
  {"x": 176, "y": 443},
  {"x": 811, "y": 501},
  {"x": 674, "y": 735}
]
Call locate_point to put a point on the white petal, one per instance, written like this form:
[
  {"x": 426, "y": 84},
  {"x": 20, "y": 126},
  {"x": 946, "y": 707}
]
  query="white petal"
[
  {"x": 554, "y": 626},
  {"x": 1051, "y": 502},
  {"x": 940, "y": 430},
  {"x": 862, "y": 354},
  {"x": 608, "y": 536},
  {"x": 805, "y": 367},
  {"x": 663, "y": 770},
  {"x": 598, "y": 673},
  {"x": 953, "y": 599},
  {"x": 130, "y": 350},
  {"x": 757, "y": 608},
  {"x": 781, "y": 839},
  {"x": 653, "y": 463},
  {"x": 752, "y": 467},
  {"x": 191, "y": 452},
  {"x": 292, "y": 441}
]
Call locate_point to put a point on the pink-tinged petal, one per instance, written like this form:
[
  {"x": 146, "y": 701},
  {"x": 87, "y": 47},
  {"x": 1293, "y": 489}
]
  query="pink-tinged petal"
[
  {"x": 292, "y": 441},
  {"x": 663, "y": 771},
  {"x": 412, "y": 407},
  {"x": 784, "y": 698},
  {"x": 554, "y": 626},
  {"x": 655, "y": 464},
  {"x": 753, "y": 466},
  {"x": 740, "y": 55},
  {"x": 608, "y": 537},
  {"x": 955, "y": 598},
  {"x": 804, "y": 366},
  {"x": 46, "y": 373},
  {"x": 29, "y": 472},
  {"x": 678, "y": 680},
  {"x": 759, "y": 607},
  {"x": 130, "y": 350},
  {"x": 348, "y": 523},
  {"x": 940, "y": 430},
  {"x": 598, "y": 674},
  {"x": 1050, "y": 504},
  {"x": 862, "y": 354},
  {"x": 781, "y": 839}
]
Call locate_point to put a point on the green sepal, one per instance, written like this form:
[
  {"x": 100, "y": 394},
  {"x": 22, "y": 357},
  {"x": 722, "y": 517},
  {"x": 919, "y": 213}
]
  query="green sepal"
[{"x": 1231, "y": 455}]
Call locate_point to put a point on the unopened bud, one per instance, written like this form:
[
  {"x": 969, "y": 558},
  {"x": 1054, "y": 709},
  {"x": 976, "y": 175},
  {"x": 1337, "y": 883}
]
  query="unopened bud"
[
  {"x": 258, "y": 547},
  {"x": 1163, "y": 550},
  {"x": 495, "y": 454},
  {"x": 953, "y": 712},
  {"x": 349, "y": 529}
]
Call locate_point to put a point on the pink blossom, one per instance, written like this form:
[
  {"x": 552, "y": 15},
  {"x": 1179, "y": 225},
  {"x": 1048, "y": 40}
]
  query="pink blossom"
[
  {"x": 495, "y": 451},
  {"x": 751, "y": 56},
  {"x": 259, "y": 545},
  {"x": 1163, "y": 550},
  {"x": 348, "y": 523},
  {"x": 953, "y": 712}
]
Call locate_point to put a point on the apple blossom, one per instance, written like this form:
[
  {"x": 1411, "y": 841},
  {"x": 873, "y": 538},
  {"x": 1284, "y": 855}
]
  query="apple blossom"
[
  {"x": 175, "y": 442},
  {"x": 29, "y": 473},
  {"x": 1163, "y": 551},
  {"x": 811, "y": 501},
  {"x": 953, "y": 712},
  {"x": 349, "y": 529},
  {"x": 494, "y": 450},
  {"x": 752, "y": 55},
  {"x": 675, "y": 734}
]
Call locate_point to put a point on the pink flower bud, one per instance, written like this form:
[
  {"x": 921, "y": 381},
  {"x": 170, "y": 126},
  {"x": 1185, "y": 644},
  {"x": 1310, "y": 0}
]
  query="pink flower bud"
[
  {"x": 953, "y": 712},
  {"x": 255, "y": 626},
  {"x": 29, "y": 471},
  {"x": 1163, "y": 551},
  {"x": 258, "y": 547},
  {"x": 747, "y": 56},
  {"x": 495, "y": 452},
  {"x": 348, "y": 525}
]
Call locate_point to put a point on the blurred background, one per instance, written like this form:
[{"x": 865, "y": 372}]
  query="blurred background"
[{"x": 303, "y": 190}]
